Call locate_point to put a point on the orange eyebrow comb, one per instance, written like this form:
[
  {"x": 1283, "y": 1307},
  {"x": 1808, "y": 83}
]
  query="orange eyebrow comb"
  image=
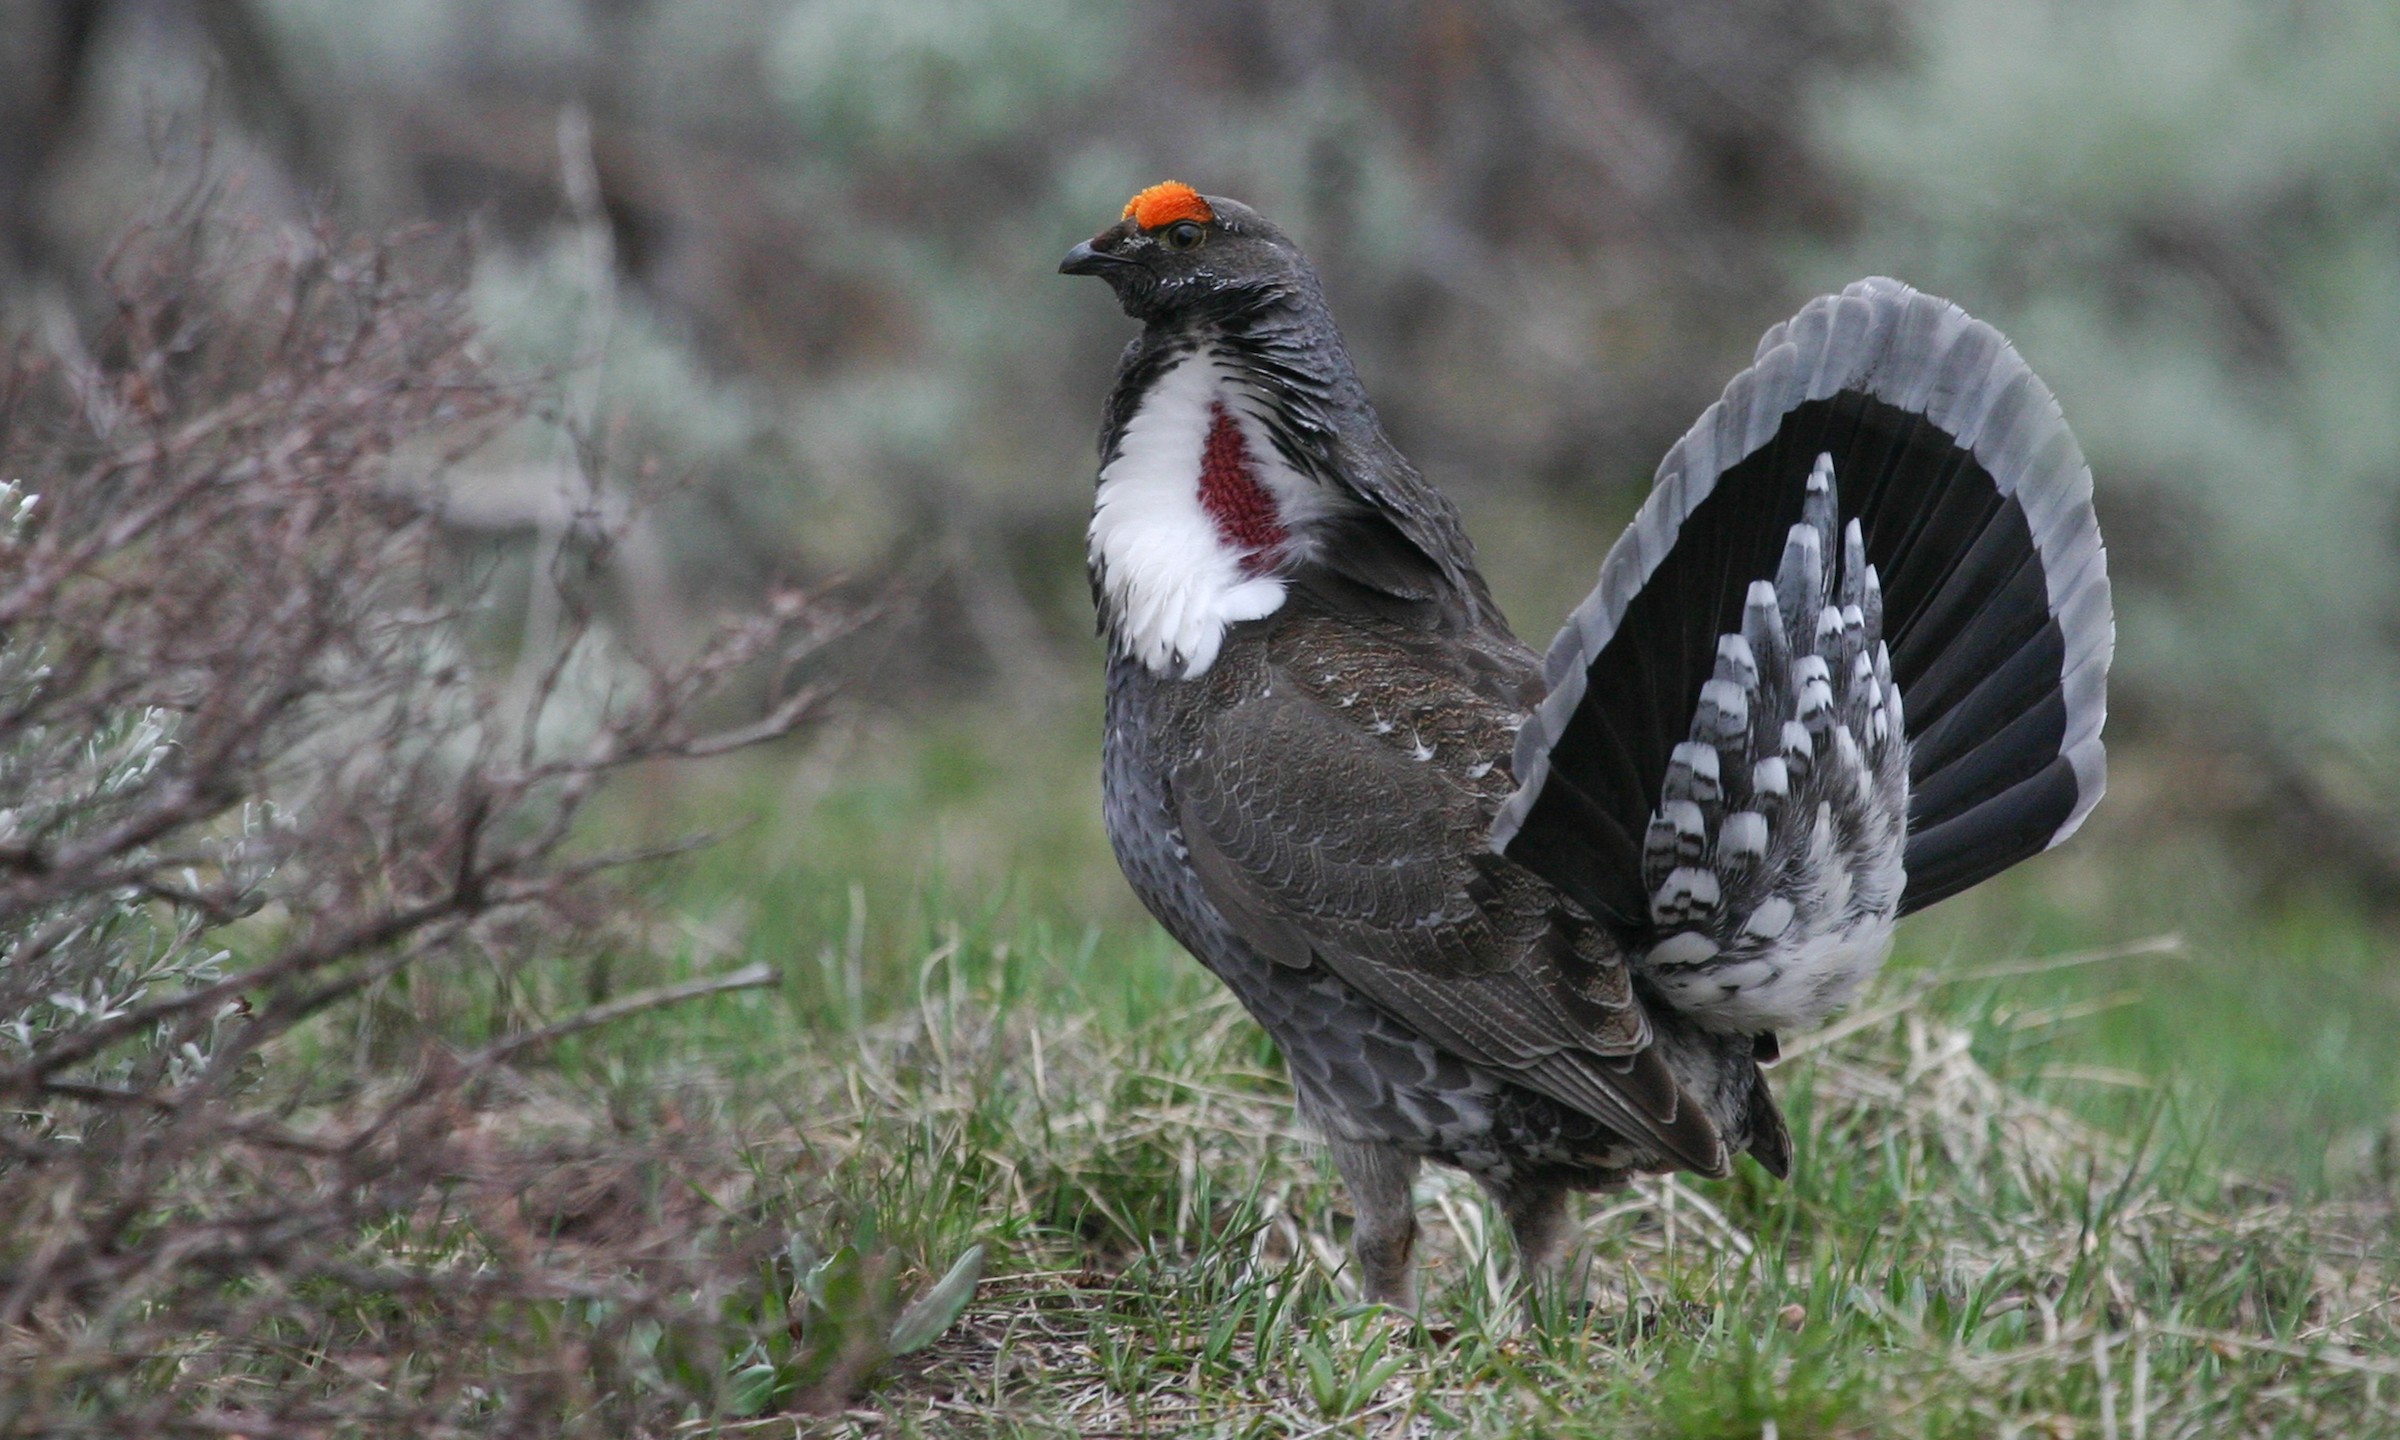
[{"x": 1165, "y": 203}]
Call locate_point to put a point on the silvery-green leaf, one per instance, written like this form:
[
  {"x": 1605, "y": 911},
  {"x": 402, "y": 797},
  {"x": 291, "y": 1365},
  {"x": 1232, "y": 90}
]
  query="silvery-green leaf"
[{"x": 938, "y": 1309}]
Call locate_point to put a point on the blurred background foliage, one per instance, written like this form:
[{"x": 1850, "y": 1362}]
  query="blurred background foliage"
[{"x": 793, "y": 258}]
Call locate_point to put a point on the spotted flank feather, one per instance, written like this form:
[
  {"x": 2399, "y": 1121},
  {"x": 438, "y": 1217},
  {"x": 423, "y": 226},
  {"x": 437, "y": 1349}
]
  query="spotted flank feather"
[{"x": 1773, "y": 860}]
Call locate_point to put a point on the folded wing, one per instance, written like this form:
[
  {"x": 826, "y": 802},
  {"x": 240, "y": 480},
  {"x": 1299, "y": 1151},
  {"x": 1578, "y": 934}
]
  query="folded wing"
[{"x": 1324, "y": 839}]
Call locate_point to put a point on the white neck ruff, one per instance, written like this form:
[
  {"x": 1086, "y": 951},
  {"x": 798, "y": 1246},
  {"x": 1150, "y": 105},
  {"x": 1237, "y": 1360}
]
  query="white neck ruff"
[{"x": 1170, "y": 582}]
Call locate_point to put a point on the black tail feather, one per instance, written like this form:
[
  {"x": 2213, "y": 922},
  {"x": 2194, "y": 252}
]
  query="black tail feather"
[{"x": 1976, "y": 512}]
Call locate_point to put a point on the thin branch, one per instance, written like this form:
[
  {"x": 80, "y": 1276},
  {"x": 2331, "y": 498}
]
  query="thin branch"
[{"x": 749, "y": 977}]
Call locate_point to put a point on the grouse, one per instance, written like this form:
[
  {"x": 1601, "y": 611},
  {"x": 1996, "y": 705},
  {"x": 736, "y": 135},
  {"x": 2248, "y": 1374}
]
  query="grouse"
[{"x": 1542, "y": 917}]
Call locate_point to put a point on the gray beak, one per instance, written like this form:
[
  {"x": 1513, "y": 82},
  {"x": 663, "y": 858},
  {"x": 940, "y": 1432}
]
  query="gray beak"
[{"x": 1084, "y": 260}]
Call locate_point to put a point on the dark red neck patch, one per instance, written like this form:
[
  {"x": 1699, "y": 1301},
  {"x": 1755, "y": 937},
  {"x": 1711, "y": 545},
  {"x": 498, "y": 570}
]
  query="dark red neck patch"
[{"x": 1246, "y": 515}]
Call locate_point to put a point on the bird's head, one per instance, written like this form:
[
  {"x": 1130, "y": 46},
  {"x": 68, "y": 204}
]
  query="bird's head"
[
  {"x": 1239, "y": 454},
  {"x": 1177, "y": 254}
]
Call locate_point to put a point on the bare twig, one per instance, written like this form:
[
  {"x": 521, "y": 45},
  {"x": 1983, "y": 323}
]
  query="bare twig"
[
  {"x": 254, "y": 791},
  {"x": 749, "y": 977}
]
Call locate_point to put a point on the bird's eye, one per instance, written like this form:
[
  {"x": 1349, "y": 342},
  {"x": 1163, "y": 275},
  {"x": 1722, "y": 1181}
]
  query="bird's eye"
[{"x": 1182, "y": 235}]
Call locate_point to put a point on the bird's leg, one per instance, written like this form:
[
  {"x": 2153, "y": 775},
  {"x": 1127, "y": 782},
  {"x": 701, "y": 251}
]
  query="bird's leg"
[
  {"x": 1385, "y": 1241},
  {"x": 1537, "y": 1222}
]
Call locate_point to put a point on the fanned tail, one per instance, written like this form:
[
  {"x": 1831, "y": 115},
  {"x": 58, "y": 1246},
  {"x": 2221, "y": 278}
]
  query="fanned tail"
[{"x": 1880, "y": 541}]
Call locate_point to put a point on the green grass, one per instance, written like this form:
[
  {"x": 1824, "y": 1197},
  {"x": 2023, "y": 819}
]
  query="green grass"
[
  {"x": 2131, "y": 1196},
  {"x": 1950, "y": 1258},
  {"x": 2267, "y": 1032}
]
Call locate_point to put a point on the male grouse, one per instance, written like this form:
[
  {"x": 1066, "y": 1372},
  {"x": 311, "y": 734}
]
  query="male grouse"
[{"x": 1542, "y": 917}]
